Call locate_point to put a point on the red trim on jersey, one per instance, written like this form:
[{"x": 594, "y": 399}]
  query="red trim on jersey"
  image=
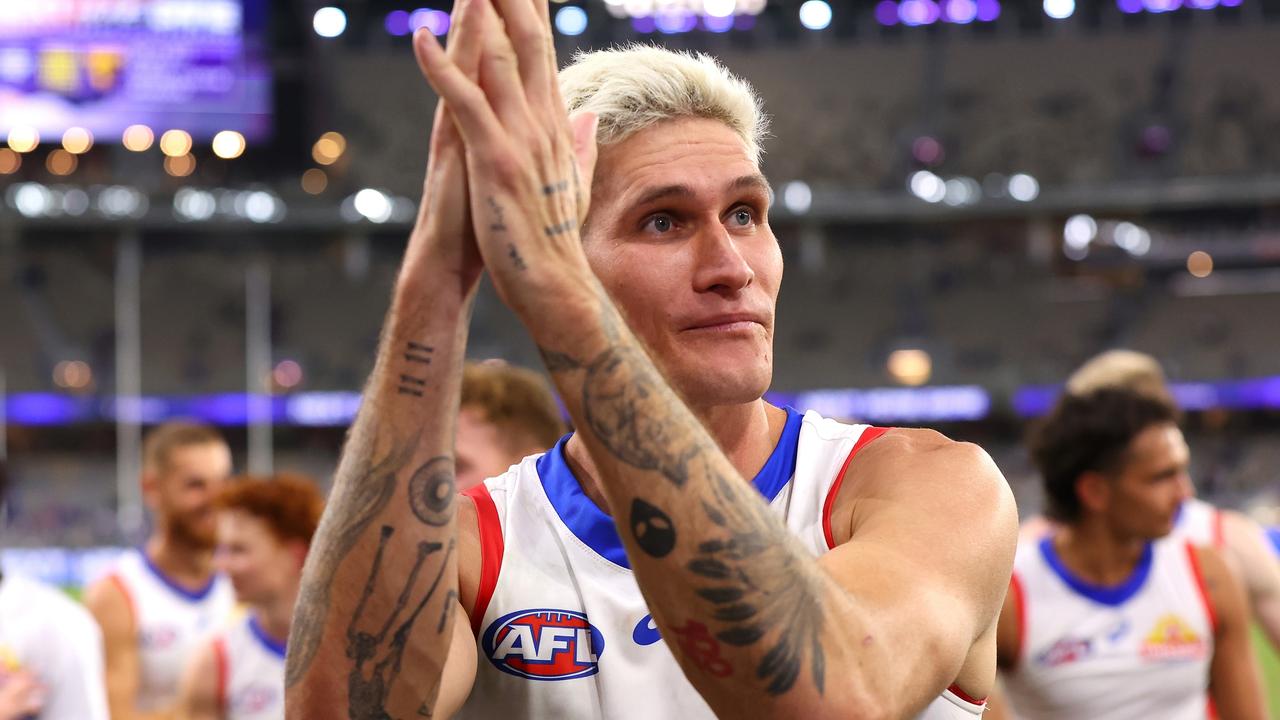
[
  {"x": 118, "y": 581},
  {"x": 1020, "y": 600},
  {"x": 955, "y": 690},
  {"x": 220, "y": 661},
  {"x": 1204, "y": 591},
  {"x": 1218, "y": 540},
  {"x": 1211, "y": 710},
  {"x": 864, "y": 439},
  {"x": 490, "y": 550}
]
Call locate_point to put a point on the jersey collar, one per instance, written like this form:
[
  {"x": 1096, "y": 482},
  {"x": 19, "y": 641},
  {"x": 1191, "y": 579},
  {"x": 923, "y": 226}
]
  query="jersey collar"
[
  {"x": 1112, "y": 595},
  {"x": 191, "y": 595},
  {"x": 595, "y": 528}
]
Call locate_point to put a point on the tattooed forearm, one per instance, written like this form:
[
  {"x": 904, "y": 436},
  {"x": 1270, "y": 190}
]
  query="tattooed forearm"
[
  {"x": 368, "y": 687},
  {"x": 764, "y": 601},
  {"x": 359, "y": 496}
]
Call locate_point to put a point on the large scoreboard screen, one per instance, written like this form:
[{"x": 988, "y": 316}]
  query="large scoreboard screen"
[{"x": 195, "y": 65}]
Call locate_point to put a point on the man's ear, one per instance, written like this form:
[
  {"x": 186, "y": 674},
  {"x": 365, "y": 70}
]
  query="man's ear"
[{"x": 1094, "y": 490}]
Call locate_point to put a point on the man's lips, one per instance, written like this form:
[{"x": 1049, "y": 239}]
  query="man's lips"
[{"x": 728, "y": 322}]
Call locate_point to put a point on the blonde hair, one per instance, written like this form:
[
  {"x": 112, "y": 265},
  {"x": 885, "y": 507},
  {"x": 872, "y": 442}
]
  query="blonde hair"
[
  {"x": 515, "y": 400},
  {"x": 633, "y": 87},
  {"x": 1125, "y": 369}
]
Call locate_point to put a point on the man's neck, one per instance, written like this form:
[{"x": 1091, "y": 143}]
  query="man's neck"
[
  {"x": 747, "y": 434},
  {"x": 274, "y": 617},
  {"x": 187, "y": 565},
  {"x": 1097, "y": 554}
]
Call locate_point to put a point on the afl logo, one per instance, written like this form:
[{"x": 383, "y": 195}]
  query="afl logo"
[{"x": 544, "y": 644}]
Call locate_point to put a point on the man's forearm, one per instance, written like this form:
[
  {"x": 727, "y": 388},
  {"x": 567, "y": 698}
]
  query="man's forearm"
[
  {"x": 744, "y": 608},
  {"x": 382, "y": 571}
]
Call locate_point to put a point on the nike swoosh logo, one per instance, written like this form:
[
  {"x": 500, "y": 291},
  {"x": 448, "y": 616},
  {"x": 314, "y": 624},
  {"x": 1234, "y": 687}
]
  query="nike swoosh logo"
[{"x": 646, "y": 632}]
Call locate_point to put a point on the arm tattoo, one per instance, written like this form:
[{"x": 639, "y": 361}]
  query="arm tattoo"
[
  {"x": 497, "y": 224},
  {"x": 410, "y": 385},
  {"x": 357, "y": 500},
  {"x": 559, "y": 228},
  {"x": 652, "y": 529},
  {"x": 369, "y": 687},
  {"x": 431, "y": 491},
  {"x": 418, "y": 353},
  {"x": 516, "y": 259}
]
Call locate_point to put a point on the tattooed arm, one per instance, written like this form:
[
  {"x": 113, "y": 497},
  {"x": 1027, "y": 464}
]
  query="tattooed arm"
[{"x": 374, "y": 633}]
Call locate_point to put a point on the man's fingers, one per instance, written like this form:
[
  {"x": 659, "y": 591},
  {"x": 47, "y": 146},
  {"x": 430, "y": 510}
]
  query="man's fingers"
[
  {"x": 500, "y": 78},
  {"x": 530, "y": 35},
  {"x": 466, "y": 38},
  {"x": 474, "y": 118}
]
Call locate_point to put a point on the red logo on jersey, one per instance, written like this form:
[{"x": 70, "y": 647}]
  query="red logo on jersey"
[{"x": 544, "y": 644}]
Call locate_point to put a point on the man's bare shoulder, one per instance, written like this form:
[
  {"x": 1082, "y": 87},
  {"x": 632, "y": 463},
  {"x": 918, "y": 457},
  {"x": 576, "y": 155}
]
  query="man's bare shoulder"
[{"x": 909, "y": 460}]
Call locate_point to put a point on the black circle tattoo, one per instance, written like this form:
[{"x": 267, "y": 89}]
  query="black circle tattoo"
[
  {"x": 431, "y": 491},
  {"x": 652, "y": 529}
]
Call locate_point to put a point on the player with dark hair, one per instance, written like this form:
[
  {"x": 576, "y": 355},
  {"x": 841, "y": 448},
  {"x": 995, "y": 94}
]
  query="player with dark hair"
[
  {"x": 264, "y": 531},
  {"x": 506, "y": 413},
  {"x": 161, "y": 599},
  {"x": 1110, "y": 618}
]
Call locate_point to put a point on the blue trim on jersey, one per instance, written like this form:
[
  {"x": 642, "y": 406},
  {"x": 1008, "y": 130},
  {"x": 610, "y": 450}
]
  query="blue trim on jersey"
[
  {"x": 595, "y": 528},
  {"x": 271, "y": 644},
  {"x": 1112, "y": 595},
  {"x": 1274, "y": 534},
  {"x": 191, "y": 595}
]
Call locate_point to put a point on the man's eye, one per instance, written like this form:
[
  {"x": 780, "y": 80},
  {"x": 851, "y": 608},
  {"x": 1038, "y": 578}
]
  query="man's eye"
[
  {"x": 742, "y": 217},
  {"x": 660, "y": 223}
]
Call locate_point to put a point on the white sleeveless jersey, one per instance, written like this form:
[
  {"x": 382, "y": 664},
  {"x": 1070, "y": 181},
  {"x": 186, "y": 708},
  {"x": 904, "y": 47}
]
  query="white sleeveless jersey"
[
  {"x": 171, "y": 622},
  {"x": 1199, "y": 522},
  {"x": 1136, "y": 651},
  {"x": 47, "y": 634},
  {"x": 562, "y": 629},
  {"x": 250, "y": 666}
]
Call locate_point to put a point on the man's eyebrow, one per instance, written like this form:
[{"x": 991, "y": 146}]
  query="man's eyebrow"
[{"x": 745, "y": 182}]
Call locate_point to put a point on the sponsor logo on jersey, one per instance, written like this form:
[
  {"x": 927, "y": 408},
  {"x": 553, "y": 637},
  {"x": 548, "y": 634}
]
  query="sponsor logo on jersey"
[
  {"x": 1173, "y": 638},
  {"x": 257, "y": 699},
  {"x": 1066, "y": 650},
  {"x": 544, "y": 644},
  {"x": 160, "y": 637},
  {"x": 646, "y": 632}
]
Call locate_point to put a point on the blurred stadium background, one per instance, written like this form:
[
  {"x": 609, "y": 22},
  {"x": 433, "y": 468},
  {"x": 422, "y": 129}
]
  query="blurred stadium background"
[{"x": 203, "y": 202}]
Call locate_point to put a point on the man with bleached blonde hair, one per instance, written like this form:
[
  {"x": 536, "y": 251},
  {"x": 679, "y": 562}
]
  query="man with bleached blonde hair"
[
  {"x": 690, "y": 551},
  {"x": 1243, "y": 543}
]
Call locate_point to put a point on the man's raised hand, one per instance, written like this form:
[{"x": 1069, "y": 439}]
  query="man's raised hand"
[{"x": 529, "y": 166}]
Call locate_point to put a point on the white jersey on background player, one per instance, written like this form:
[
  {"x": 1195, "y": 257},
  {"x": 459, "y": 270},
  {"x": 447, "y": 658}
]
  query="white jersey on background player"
[
  {"x": 170, "y": 620},
  {"x": 45, "y": 633},
  {"x": 250, "y": 671},
  {"x": 562, "y": 628},
  {"x": 1140, "y": 649}
]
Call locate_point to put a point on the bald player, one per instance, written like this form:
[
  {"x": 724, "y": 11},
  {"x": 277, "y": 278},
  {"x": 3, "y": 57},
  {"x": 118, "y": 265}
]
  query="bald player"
[
  {"x": 690, "y": 551},
  {"x": 160, "y": 600},
  {"x": 264, "y": 531},
  {"x": 506, "y": 413},
  {"x": 1243, "y": 543}
]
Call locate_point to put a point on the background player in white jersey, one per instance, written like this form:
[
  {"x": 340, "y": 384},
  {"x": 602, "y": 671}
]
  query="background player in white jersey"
[
  {"x": 264, "y": 531},
  {"x": 1242, "y": 543},
  {"x": 506, "y": 413},
  {"x": 1109, "y": 617},
  {"x": 50, "y": 651},
  {"x": 676, "y": 254},
  {"x": 161, "y": 599}
]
